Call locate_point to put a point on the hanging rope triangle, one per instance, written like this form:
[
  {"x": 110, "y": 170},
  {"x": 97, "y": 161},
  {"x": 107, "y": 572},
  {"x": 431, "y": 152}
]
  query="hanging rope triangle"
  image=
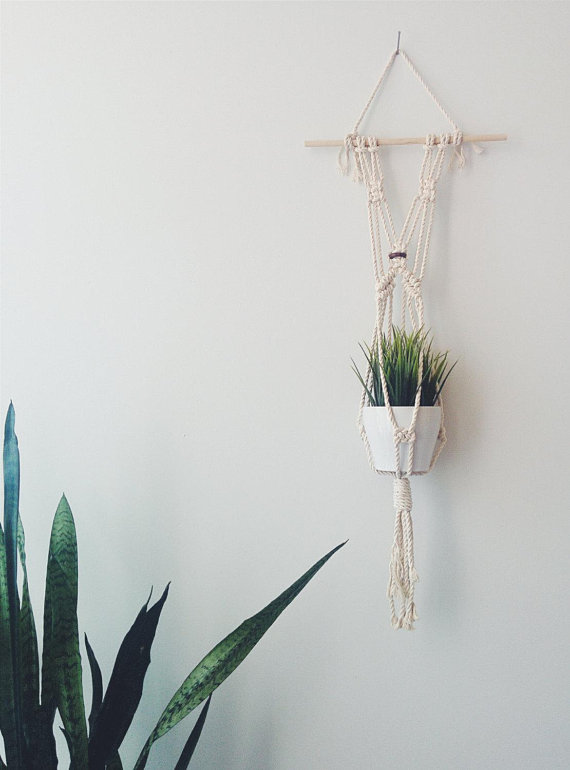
[{"x": 455, "y": 138}]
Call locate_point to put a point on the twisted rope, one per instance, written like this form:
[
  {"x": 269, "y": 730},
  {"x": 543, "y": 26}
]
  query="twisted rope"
[
  {"x": 403, "y": 575},
  {"x": 396, "y": 274}
]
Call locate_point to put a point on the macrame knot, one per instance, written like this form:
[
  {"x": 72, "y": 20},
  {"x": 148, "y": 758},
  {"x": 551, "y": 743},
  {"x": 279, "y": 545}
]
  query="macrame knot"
[
  {"x": 412, "y": 284},
  {"x": 404, "y": 436},
  {"x": 402, "y": 494},
  {"x": 358, "y": 142},
  {"x": 427, "y": 190},
  {"x": 385, "y": 286},
  {"x": 431, "y": 140},
  {"x": 375, "y": 193},
  {"x": 372, "y": 144}
]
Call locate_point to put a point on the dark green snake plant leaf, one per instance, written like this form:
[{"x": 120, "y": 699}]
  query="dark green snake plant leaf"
[
  {"x": 29, "y": 662},
  {"x": 192, "y": 741},
  {"x": 125, "y": 686},
  {"x": 220, "y": 662},
  {"x": 11, "y": 459},
  {"x": 7, "y": 714},
  {"x": 61, "y": 663},
  {"x": 115, "y": 763},
  {"x": 96, "y": 684}
]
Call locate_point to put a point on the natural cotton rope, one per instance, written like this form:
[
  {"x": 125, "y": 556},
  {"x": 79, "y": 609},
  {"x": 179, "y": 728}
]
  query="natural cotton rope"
[
  {"x": 389, "y": 275},
  {"x": 403, "y": 575}
]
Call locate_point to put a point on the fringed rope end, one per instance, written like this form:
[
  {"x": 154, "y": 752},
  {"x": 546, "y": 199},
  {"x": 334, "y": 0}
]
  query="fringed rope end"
[
  {"x": 344, "y": 155},
  {"x": 403, "y": 575}
]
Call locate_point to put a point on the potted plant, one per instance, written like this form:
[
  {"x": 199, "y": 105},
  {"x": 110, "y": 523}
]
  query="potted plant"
[
  {"x": 401, "y": 366},
  {"x": 34, "y": 686}
]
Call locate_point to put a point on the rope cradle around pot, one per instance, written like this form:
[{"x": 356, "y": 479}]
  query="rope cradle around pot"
[{"x": 397, "y": 274}]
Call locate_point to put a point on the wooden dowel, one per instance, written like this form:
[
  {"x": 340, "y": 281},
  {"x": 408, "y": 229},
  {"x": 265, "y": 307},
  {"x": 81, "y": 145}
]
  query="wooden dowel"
[{"x": 407, "y": 140}]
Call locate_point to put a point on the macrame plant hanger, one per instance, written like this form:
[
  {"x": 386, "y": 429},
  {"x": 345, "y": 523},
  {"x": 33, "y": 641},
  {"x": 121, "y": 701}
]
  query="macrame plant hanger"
[{"x": 399, "y": 270}]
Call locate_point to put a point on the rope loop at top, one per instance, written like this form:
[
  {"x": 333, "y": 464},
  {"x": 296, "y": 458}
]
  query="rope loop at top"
[
  {"x": 351, "y": 143},
  {"x": 418, "y": 76}
]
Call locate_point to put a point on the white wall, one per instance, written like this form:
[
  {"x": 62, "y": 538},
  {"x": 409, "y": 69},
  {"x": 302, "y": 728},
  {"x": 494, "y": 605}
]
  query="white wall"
[{"x": 183, "y": 287}]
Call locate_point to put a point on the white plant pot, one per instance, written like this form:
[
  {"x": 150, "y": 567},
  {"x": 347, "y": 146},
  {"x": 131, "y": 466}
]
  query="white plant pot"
[{"x": 380, "y": 435}]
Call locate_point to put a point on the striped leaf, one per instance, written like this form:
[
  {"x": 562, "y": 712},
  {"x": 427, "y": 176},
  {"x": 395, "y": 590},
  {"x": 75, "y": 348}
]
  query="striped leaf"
[
  {"x": 223, "y": 660},
  {"x": 61, "y": 663},
  {"x": 11, "y": 503}
]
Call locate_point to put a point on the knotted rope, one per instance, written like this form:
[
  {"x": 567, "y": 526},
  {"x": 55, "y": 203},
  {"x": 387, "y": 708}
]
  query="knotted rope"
[
  {"x": 403, "y": 575},
  {"x": 389, "y": 275}
]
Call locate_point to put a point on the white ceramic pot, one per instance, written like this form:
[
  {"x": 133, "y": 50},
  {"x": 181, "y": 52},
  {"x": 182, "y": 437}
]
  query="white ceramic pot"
[{"x": 380, "y": 435}]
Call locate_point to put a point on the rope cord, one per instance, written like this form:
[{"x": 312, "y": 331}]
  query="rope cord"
[{"x": 392, "y": 273}]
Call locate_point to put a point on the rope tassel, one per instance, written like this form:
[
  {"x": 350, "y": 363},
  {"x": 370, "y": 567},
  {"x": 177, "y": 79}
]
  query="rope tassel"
[{"x": 403, "y": 575}]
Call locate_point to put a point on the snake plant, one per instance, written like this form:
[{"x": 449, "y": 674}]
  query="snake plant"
[
  {"x": 402, "y": 353},
  {"x": 32, "y": 691}
]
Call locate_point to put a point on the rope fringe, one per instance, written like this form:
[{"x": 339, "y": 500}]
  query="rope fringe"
[{"x": 403, "y": 575}]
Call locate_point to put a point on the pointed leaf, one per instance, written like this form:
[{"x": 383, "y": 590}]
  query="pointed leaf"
[
  {"x": 49, "y": 689},
  {"x": 125, "y": 686},
  {"x": 220, "y": 662},
  {"x": 62, "y": 677},
  {"x": 97, "y": 684},
  {"x": 69, "y": 744},
  {"x": 115, "y": 763},
  {"x": 7, "y": 713},
  {"x": 42, "y": 753},
  {"x": 192, "y": 741},
  {"x": 29, "y": 662},
  {"x": 11, "y": 503}
]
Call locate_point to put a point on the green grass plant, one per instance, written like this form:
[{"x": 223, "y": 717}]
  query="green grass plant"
[{"x": 402, "y": 354}]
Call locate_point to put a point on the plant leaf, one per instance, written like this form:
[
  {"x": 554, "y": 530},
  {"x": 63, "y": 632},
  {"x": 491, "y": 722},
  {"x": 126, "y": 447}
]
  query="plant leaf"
[
  {"x": 7, "y": 714},
  {"x": 29, "y": 662},
  {"x": 49, "y": 678},
  {"x": 11, "y": 502},
  {"x": 439, "y": 389},
  {"x": 97, "y": 684},
  {"x": 192, "y": 741},
  {"x": 399, "y": 357},
  {"x": 62, "y": 677},
  {"x": 115, "y": 763},
  {"x": 125, "y": 686},
  {"x": 220, "y": 662}
]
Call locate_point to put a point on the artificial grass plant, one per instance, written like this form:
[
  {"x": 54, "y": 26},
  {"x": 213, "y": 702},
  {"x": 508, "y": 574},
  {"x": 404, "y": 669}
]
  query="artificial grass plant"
[{"x": 402, "y": 353}]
